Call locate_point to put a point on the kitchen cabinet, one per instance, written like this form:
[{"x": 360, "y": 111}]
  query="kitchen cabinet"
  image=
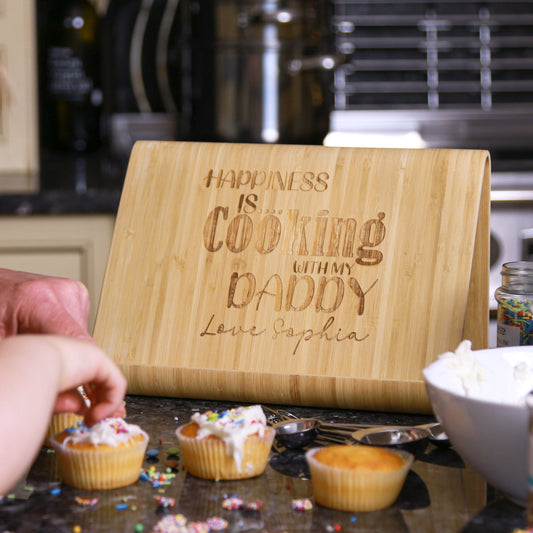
[
  {"x": 72, "y": 246},
  {"x": 18, "y": 97}
]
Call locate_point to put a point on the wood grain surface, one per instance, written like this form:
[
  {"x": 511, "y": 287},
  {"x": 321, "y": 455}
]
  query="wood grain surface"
[{"x": 303, "y": 275}]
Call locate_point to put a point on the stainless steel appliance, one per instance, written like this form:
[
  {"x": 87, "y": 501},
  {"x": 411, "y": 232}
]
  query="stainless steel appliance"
[
  {"x": 452, "y": 73},
  {"x": 259, "y": 71}
]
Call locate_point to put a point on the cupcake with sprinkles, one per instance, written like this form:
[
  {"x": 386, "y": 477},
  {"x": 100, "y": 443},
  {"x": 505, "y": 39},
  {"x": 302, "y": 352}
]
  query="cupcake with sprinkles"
[
  {"x": 231, "y": 444},
  {"x": 107, "y": 455},
  {"x": 59, "y": 422}
]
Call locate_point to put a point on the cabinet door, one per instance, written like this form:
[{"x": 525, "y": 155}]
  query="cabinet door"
[
  {"x": 74, "y": 247},
  {"x": 18, "y": 96}
]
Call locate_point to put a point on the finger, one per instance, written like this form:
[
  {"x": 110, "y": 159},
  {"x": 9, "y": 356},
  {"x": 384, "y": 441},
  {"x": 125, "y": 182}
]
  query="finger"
[
  {"x": 63, "y": 307},
  {"x": 70, "y": 402},
  {"x": 107, "y": 398},
  {"x": 120, "y": 412},
  {"x": 50, "y": 318},
  {"x": 98, "y": 412}
]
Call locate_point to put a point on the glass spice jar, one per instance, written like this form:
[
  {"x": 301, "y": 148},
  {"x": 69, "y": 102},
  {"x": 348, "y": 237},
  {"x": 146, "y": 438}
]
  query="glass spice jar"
[
  {"x": 515, "y": 303},
  {"x": 529, "y": 404}
]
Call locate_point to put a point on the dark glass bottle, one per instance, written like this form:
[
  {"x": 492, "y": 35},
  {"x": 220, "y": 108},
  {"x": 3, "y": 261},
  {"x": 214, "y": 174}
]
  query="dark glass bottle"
[{"x": 69, "y": 71}]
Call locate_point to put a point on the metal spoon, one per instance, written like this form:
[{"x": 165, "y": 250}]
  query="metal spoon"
[
  {"x": 299, "y": 432},
  {"x": 410, "y": 439},
  {"x": 437, "y": 435}
]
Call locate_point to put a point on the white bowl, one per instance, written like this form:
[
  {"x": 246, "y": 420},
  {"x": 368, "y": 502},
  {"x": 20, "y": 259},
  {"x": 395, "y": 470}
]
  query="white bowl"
[{"x": 488, "y": 425}]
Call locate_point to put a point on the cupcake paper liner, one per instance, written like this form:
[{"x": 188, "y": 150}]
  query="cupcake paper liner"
[
  {"x": 207, "y": 457},
  {"x": 102, "y": 466}
]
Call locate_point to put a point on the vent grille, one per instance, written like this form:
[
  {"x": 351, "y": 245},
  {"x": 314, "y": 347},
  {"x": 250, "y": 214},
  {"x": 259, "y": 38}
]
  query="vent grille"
[{"x": 409, "y": 54}]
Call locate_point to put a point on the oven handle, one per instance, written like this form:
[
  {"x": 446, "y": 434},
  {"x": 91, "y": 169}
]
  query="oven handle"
[{"x": 511, "y": 195}]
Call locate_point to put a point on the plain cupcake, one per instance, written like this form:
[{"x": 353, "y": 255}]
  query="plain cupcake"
[
  {"x": 231, "y": 444},
  {"x": 107, "y": 455},
  {"x": 357, "y": 478}
]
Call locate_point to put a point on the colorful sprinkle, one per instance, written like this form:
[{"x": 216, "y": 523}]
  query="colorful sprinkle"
[
  {"x": 76, "y": 529},
  {"x": 517, "y": 313},
  {"x": 121, "y": 507},
  {"x": 155, "y": 478},
  {"x": 171, "y": 523},
  {"x": 199, "y": 527},
  {"x": 302, "y": 504},
  {"x": 173, "y": 451},
  {"x": 163, "y": 501},
  {"x": 253, "y": 506},
  {"x": 217, "y": 524},
  {"x": 87, "y": 502},
  {"x": 139, "y": 528},
  {"x": 232, "y": 503},
  {"x": 152, "y": 452},
  {"x": 55, "y": 492}
]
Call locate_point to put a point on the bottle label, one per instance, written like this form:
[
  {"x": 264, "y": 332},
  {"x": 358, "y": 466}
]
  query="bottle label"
[
  {"x": 508, "y": 335},
  {"x": 67, "y": 79},
  {"x": 515, "y": 322}
]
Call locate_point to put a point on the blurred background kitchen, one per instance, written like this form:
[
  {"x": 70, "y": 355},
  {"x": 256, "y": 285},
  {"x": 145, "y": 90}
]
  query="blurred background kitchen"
[{"x": 81, "y": 81}]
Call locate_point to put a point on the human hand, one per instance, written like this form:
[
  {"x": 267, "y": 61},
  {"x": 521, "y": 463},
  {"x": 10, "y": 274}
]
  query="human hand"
[
  {"x": 39, "y": 375},
  {"x": 52, "y": 367},
  {"x": 84, "y": 364},
  {"x": 35, "y": 303}
]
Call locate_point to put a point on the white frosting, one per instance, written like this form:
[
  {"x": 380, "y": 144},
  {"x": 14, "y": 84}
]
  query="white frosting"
[
  {"x": 110, "y": 431},
  {"x": 233, "y": 427},
  {"x": 466, "y": 367},
  {"x": 496, "y": 375}
]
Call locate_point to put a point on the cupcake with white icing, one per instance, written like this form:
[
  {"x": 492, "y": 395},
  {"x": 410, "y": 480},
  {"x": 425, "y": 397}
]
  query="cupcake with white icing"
[
  {"x": 107, "y": 455},
  {"x": 59, "y": 422},
  {"x": 231, "y": 444}
]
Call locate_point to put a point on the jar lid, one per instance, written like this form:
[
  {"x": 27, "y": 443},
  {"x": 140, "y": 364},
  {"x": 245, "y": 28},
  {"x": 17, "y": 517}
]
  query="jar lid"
[{"x": 517, "y": 268}]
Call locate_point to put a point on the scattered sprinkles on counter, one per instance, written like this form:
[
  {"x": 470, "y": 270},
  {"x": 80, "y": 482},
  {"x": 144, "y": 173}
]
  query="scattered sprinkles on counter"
[
  {"x": 178, "y": 523},
  {"x": 302, "y": 504},
  {"x": 164, "y": 501},
  {"x": 233, "y": 503},
  {"x": 86, "y": 502},
  {"x": 217, "y": 524},
  {"x": 155, "y": 478}
]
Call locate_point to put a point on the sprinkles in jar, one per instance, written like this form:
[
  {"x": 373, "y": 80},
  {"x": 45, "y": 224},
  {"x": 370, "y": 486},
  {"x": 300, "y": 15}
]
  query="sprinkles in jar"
[{"x": 515, "y": 304}]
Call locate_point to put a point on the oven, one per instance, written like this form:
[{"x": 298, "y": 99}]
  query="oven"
[{"x": 445, "y": 74}]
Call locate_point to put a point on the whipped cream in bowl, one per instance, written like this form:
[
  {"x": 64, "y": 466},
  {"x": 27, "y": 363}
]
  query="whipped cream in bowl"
[
  {"x": 502, "y": 375},
  {"x": 478, "y": 396}
]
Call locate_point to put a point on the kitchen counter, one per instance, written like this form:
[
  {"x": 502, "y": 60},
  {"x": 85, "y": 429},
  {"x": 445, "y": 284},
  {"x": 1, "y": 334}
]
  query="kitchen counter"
[
  {"x": 61, "y": 202},
  {"x": 70, "y": 183},
  {"x": 441, "y": 493}
]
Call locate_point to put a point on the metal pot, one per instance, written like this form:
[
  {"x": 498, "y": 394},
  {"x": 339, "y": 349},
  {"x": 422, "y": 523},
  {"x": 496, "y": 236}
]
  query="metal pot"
[{"x": 260, "y": 71}]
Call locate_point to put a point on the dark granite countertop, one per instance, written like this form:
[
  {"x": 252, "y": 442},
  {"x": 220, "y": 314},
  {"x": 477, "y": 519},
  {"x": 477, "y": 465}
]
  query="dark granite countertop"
[
  {"x": 61, "y": 202},
  {"x": 71, "y": 183},
  {"x": 440, "y": 494}
]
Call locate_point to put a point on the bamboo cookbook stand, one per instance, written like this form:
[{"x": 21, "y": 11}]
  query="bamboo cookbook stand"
[{"x": 302, "y": 275}]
